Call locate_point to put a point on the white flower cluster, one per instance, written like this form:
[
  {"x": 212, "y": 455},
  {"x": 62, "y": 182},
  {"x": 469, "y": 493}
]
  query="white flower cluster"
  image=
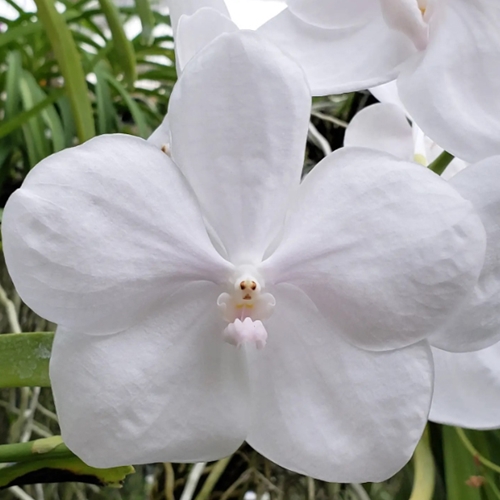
[{"x": 205, "y": 295}]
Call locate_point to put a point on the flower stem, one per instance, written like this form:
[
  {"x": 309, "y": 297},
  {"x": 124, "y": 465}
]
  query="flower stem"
[
  {"x": 470, "y": 447},
  {"x": 52, "y": 447},
  {"x": 212, "y": 479},
  {"x": 425, "y": 475},
  {"x": 439, "y": 165},
  {"x": 192, "y": 481}
]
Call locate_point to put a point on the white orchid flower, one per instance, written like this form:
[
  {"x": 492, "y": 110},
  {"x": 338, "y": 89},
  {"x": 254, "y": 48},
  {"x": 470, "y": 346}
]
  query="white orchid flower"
[
  {"x": 385, "y": 127},
  {"x": 466, "y": 384},
  {"x": 443, "y": 53},
  {"x": 467, "y": 388},
  {"x": 195, "y": 23},
  {"x": 157, "y": 268}
]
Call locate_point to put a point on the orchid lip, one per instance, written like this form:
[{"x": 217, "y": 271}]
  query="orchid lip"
[{"x": 244, "y": 306}]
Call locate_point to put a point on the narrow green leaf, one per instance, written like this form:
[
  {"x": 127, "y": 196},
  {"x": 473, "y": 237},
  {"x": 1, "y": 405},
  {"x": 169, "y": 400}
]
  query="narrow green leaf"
[
  {"x": 53, "y": 121},
  {"x": 31, "y": 151},
  {"x": 6, "y": 148},
  {"x": 49, "y": 460},
  {"x": 106, "y": 114},
  {"x": 14, "y": 68},
  {"x": 134, "y": 108},
  {"x": 35, "y": 128},
  {"x": 68, "y": 121},
  {"x": 8, "y": 126},
  {"x": 14, "y": 34},
  {"x": 147, "y": 20},
  {"x": 121, "y": 44},
  {"x": 459, "y": 466},
  {"x": 48, "y": 113},
  {"x": 24, "y": 26},
  {"x": 69, "y": 61},
  {"x": 24, "y": 358}
]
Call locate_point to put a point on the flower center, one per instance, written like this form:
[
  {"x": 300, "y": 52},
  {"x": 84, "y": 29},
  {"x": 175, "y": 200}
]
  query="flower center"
[{"x": 244, "y": 306}]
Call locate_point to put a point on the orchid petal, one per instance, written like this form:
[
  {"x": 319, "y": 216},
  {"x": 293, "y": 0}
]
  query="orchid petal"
[
  {"x": 340, "y": 60},
  {"x": 100, "y": 233},
  {"x": 324, "y": 408},
  {"x": 197, "y": 31},
  {"x": 467, "y": 388},
  {"x": 178, "y": 8},
  {"x": 406, "y": 17},
  {"x": 383, "y": 127},
  {"x": 388, "y": 94},
  {"x": 161, "y": 136},
  {"x": 457, "y": 165},
  {"x": 334, "y": 13},
  {"x": 241, "y": 150},
  {"x": 385, "y": 248},
  {"x": 451, "y": 89},
  {"x": 251, "y": 14},
  {"x": 477, "y": 324},
  {"x": 167, "y": 390}
]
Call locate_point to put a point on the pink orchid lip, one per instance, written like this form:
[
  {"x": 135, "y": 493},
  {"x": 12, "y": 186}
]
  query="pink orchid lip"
[
  {"x": 244, "y": 306},
  {"x": 244, "y": 332}
]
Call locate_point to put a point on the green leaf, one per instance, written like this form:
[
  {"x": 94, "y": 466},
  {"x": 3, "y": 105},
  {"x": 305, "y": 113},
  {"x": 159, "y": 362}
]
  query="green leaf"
[
  {"x": 24, "y": 358},
  {"x": 67, "y": 56},
  {"x": 34, "y": 129},
  {"x": 48, "y": 113},
  {"x": 147, "y": 20},
  {"x": 106, "y": 114},
  {"x": 68, "y": 122},
  {"x": 49, "y": 460},
  {"x": 14, "y": 68},
  {"x": 122, "y": 45},
  {"x": 6, "y": 148},
  {"x": 459, "y": 466},
  {"x": 425, "y": 474},
  {"x": 134, "y": 108},
  {"x": 14, "y": 34}
]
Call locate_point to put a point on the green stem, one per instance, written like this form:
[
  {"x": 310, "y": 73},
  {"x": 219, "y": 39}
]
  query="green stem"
[
  {"x": 212, "y": 479},
  {"x": 470, "y": 447},
  {"x": 50, "y": 461},
  {"x": 52, "y": 447},
  {"x": 425, "y": 475},
  {"x": 490, "y": 485},
  {"x": 439, "y": 165}
]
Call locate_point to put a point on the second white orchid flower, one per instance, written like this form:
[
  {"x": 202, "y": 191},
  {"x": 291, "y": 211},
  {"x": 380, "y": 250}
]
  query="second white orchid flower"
[
  {"x": 467, "y": 384},
  {"x": 444, "y": 54}
]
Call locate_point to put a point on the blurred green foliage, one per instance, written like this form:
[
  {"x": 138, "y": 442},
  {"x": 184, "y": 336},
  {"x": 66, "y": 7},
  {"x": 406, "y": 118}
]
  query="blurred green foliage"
[
  {"x": 53, "y": 97},
  {"x": 70, "y": 70}
]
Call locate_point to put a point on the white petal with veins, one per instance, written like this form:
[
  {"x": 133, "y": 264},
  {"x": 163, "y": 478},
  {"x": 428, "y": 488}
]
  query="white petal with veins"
[{"x": 93, "y": 243}]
